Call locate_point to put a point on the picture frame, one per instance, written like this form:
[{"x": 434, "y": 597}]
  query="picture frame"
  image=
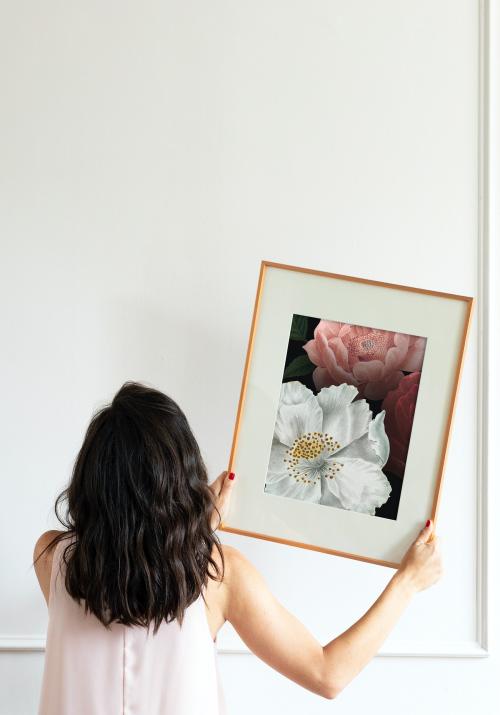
[{"x": 345, "y": 411}]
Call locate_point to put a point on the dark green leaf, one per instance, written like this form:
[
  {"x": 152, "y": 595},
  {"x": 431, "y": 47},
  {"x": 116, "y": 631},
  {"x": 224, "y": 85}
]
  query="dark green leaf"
[
  {"x": 298, "y": 330},
  {"x": 301, "y": 365}
]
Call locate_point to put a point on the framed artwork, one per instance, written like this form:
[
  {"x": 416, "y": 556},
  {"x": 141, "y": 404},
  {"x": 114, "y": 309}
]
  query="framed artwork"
[{"x": 345, "y": 412}]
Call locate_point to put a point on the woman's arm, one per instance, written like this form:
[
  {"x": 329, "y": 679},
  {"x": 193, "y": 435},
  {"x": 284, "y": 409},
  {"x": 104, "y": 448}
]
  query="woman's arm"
[{"x": 283, "y": 642}]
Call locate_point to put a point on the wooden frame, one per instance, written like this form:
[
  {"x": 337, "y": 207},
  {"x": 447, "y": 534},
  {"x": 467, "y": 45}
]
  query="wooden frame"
[{"x": 228, "y": 525}]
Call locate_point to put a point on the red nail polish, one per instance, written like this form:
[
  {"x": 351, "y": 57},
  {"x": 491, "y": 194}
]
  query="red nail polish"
[
  {"x": 428, "y": 522},
  {"x": 231, "y": 475}
]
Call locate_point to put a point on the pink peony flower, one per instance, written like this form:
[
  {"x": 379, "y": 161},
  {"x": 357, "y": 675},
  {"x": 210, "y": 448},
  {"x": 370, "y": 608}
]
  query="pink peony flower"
[
  {"x": 371, "y": 360},
  {"x": 399, "y": 405}
]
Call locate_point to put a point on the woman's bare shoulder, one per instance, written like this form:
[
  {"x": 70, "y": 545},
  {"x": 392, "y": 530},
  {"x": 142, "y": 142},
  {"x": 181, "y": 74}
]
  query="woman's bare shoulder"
[
  {"x": 240, "y": 576},
  {"x": 234, "y": 561},
  {"x": 43, "y": 551},
  {"x": 42, "y": 558}
]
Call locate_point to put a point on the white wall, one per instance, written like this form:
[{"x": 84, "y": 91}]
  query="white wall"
[{"x": 151, "y": 154}]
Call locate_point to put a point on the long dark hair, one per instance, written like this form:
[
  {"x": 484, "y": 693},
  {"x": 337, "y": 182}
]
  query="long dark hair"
[{"x": 139, "y": 507}]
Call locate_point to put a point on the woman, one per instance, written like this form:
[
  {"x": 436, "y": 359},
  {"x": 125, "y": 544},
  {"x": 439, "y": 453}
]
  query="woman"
[{"x": 138, "y": 584}]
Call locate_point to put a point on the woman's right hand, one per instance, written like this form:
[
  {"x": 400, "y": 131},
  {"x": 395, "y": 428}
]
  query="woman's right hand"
[
  {"x": 221, "y": 489},
  {"x": 422, "y": 564}
]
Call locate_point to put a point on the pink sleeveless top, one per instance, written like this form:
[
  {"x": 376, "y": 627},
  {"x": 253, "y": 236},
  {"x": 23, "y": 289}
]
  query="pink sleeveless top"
[{"x": 90, "y": 670}]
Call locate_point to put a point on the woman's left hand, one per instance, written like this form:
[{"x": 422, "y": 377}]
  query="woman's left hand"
[{"x": 221, "y": 487}]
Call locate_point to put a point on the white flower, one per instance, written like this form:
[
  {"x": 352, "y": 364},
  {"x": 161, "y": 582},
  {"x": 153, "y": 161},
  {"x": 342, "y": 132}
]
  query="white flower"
[{"x": 327, "y": 449}]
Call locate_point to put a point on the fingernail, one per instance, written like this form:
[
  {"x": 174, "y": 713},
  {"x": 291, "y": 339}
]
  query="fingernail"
[
  {"x": 231, "y": 475},
  {"x": 428, "y": 522}
]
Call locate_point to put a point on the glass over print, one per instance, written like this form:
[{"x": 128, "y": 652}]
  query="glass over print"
[{"x": 345, "y": 415}]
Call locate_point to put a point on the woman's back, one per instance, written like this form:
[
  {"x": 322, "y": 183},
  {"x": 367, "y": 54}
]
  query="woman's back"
[
  {"x": 144, "y": 518},
  {"x": 126, "y": 670}
]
